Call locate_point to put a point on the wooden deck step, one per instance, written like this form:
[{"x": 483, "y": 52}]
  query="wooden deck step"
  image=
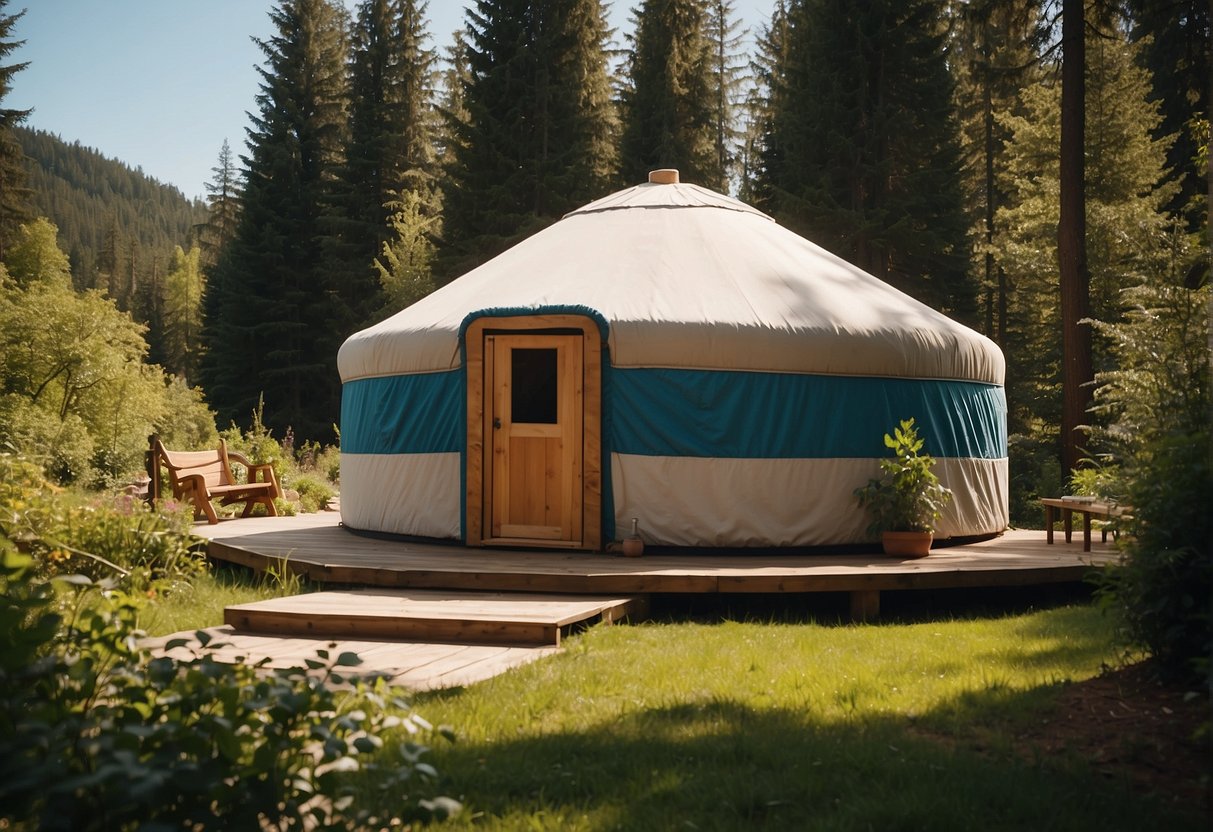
[{"x": 431, "y": 615}]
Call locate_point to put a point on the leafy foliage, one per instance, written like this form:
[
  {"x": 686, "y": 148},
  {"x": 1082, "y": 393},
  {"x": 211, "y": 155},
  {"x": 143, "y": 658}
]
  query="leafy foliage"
[
  {"x": 1158, "y": 403},
  {"x": 74, "y": 385},
  {"x": 909, "y": 497},
  {"x": 119, "y": 539},
  {"x": 100, "y": 735}
]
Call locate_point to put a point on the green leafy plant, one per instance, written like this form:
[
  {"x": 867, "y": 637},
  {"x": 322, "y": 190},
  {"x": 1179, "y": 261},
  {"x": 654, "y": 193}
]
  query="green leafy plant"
[
  {"x": 100, "y": 735},
  {"x": 102, "y": 537},
  {"x": 1157, "y": 401},
  {"x": 315, "y": 494},
  {"x": 909, "y": 497}
]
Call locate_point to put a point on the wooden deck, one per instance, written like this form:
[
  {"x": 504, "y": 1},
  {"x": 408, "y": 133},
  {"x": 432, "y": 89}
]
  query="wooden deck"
[
  {"x": 413, "y": 665},
  {"x": 316, "y": 547},
  {"x": 507, "y": 595},
  {"x": 431, "y": 615}
]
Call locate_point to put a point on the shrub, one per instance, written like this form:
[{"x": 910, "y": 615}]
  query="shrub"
[
  {"x": 187, "y": 421},
  {"x": 314, "y": 493},
  {"x": 1158, "y": 401},
  {"x": 115, "y": 538},
  {"x": 1164, "y": 586},
  {"x": 98, "y": 735},
  {"x": 325, "y": 461}
]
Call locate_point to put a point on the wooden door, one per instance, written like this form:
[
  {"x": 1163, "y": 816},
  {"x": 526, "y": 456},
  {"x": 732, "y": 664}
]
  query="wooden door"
[{"x": 533, "y": 421}]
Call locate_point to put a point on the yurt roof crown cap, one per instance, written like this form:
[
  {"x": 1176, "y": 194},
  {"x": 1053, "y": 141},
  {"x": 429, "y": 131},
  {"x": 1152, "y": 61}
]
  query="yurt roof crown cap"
[{"x": 664, "y": 176}]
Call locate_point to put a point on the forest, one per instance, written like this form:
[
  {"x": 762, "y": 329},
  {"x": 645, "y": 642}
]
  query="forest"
[{"x": 925, "y": 141}]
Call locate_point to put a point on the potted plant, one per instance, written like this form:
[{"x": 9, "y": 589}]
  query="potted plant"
[{"x": 907, "y": 500}]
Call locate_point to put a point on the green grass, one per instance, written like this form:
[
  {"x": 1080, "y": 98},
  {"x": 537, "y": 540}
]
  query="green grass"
[
  {"x": 771, "y": 725},
  {"x": 200, "y": 603}
]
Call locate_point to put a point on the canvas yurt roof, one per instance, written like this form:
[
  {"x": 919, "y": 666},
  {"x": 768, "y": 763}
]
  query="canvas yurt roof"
[{"x": 687, "y": 277}]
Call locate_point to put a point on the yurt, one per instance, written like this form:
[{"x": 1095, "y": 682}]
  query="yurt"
[{"x": 668, "y": 356}]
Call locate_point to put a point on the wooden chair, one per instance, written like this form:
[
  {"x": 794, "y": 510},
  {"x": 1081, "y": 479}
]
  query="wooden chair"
[{"x": 203, "y": 476}]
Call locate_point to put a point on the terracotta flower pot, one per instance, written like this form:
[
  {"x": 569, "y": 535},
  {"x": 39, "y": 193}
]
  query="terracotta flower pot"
[{"x": 907, "y": 544}]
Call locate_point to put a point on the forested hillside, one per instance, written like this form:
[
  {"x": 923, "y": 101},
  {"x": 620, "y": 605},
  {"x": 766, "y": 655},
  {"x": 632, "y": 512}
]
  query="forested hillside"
[{"x": 118, "y": 225}]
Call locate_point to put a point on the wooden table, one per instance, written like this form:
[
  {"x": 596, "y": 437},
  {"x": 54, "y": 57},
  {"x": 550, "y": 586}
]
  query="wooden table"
[{"x": 1087, "y": 509}]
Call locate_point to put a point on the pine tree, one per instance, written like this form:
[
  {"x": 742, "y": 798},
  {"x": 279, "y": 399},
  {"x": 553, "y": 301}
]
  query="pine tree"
[
  {"x": 992, "y": 55},
  {"x": 14, "y": 194},
  {"x": 862, "y": 154},
  {"x": 1175, "y": 46},
  {"x": 391, "y": 149},
  {"x": 538, "y": 138},
  {"x": 763, "y": 101},
  {"x": 454, "y": 79},
  {"x": 671, "y": 105},
  {"x": 181, "y": 299},
  {"x": 222, "y": 207},
  {"x": 728, "y": 82},
  {"x": 273, "y": 310},
  {"x": 1128, "y": 239}
]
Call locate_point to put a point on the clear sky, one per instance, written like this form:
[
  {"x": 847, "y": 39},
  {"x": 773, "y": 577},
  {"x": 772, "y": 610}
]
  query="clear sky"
[{"x": 159, "y": 84}]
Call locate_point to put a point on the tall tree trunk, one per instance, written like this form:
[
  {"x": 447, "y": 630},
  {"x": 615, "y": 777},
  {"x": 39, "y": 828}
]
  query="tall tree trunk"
[{"x": 1077, "y": 371}]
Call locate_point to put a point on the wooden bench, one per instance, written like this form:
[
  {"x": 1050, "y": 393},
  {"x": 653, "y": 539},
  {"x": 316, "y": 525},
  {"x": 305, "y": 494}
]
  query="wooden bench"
[
  {"x": 1087, "y": 508},
  {"x": 203, "y": 476}
]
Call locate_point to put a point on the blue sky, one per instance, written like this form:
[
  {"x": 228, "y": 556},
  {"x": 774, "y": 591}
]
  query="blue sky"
[{"x": 160, "y": 84}]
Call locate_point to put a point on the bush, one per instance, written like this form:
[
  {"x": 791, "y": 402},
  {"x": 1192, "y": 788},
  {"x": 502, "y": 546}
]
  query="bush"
[
  {"x": 1159, "y": 400},
  {"x": 116, "y": 538},
  {"x": 314, "y": 493},
  {"x": 98, "y": 735},
  {"x": 187, "y": 421},
  {"x": 62, "y": 447},
  {"x": 1165, "y": 584}
]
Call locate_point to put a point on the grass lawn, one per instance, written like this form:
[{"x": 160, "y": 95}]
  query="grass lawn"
[
  {"x": 200, "y": 603},
  {"x": 742, "y": 724}
]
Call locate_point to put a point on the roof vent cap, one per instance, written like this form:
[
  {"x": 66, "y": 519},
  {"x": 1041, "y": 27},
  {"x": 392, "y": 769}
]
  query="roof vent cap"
[{"x": 664, "y": 176}]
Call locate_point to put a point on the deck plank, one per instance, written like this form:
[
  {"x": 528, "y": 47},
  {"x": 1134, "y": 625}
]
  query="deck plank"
[
  {"x": 317, "y": 547},
  {"x": 427, "y": 615},
  {"x": 413, "y": 665}
]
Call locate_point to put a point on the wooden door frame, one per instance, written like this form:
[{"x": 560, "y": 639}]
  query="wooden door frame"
[{"x": 591, "y": 421}]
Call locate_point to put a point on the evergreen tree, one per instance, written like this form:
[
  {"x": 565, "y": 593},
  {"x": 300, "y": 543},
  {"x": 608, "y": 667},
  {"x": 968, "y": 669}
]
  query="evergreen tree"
[
  {"x": 181, "y": 301},
  {"x": 991, "y": 44},
  {"x": 454, "y": 78},
  {"x": 671, "y": 107},
  {"x": 1175, "y": 41},
  {"x": 222, "y": 207},
  {"x": 862, "y": 153},
  {"x": 1128, "y": 239},
  {"x": 762, "y": 102},
  {"x": 14, "y": 194},
  {"x": 273, "y": 309},
  {"x": 391, "y": 148},
  {"x": 405, "y": 265},
  {"x": 537, "y": 141},
  {"x": 728, "y": 82}
]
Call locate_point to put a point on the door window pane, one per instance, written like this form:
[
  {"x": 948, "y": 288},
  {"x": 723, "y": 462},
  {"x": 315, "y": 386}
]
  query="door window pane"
[{"x": 533, "y": 398}]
